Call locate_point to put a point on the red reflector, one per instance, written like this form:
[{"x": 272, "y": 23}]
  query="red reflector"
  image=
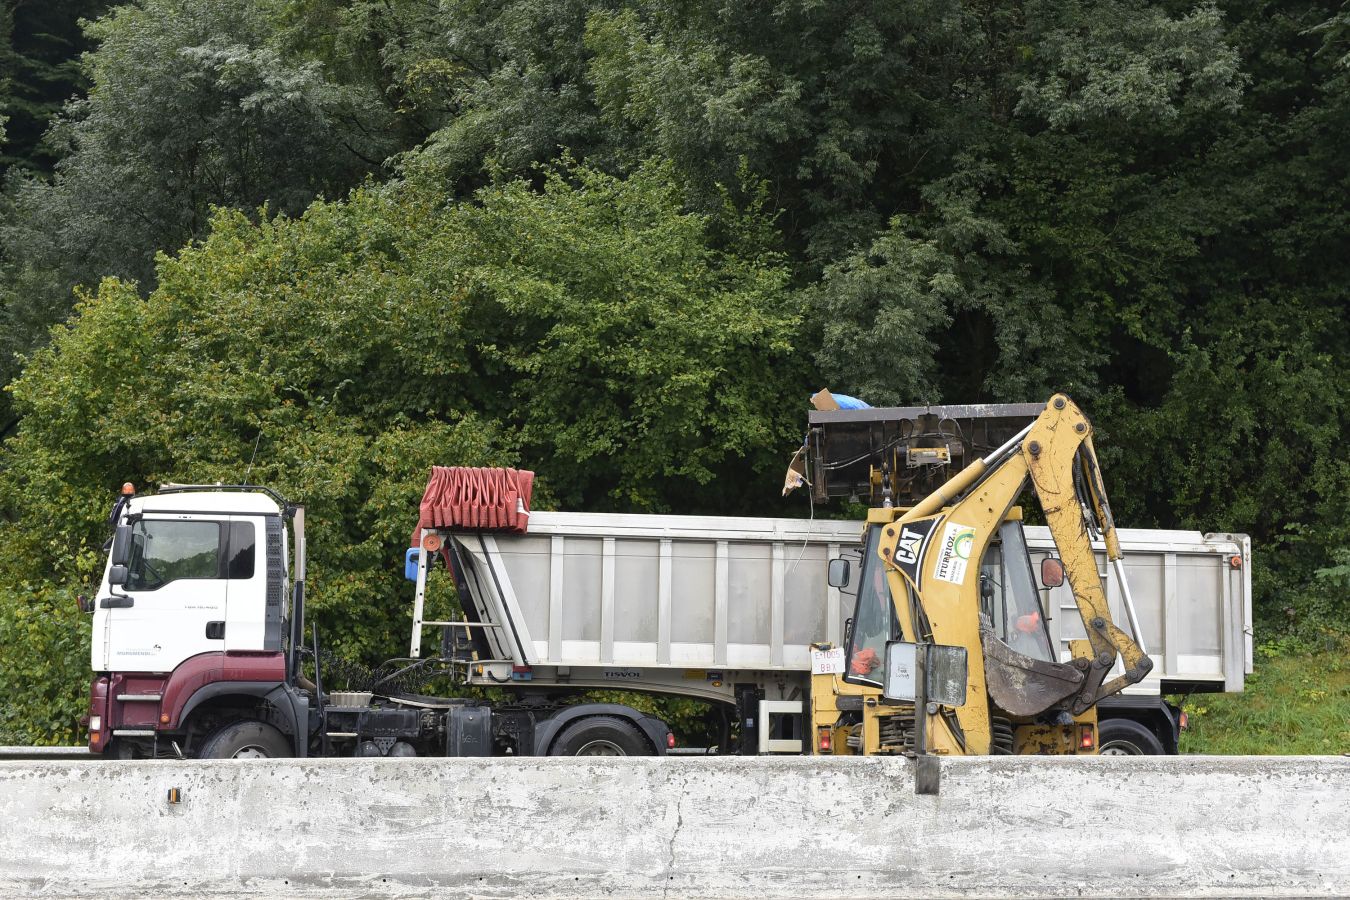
[
  {"x": 1184, "y": 721},
  {"x": 1235, "y": 561},
  {"x": 824, "y": 740},
  {"x": 670, "y": 741},
  {"x": 1085, "y": 740}
]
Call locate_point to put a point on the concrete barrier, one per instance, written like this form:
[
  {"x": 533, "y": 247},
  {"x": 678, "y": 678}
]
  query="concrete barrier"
[{"x": 698, "y": 828}]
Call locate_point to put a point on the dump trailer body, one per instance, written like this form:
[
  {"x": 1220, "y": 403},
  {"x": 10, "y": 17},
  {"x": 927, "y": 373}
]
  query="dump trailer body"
[
  {"x": 699, "y": 605},
  {"x": 687, "y": 604},
  {"x": 1193, "y": 595}
]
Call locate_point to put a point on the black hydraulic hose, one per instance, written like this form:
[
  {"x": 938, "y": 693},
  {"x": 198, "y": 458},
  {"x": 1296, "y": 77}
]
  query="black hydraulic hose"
[{"x": 324, "y": 748}]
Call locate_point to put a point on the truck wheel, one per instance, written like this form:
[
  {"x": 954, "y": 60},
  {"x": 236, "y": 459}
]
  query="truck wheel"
[
  {"x": 1125, "y": 737},
  {"x": 601, "y": 736},
  {"x": 246, "y": 740}
]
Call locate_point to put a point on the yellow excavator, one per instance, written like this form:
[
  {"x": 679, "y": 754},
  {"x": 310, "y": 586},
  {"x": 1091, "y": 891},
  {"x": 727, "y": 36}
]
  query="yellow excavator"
[{"x": 948, "y": 652}]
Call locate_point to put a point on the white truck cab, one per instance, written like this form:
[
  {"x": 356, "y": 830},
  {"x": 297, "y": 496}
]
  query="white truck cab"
[{"x": 191, "y": 571}]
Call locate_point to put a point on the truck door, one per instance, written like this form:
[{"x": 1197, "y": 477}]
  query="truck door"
[{"x": 177, "y": 589}]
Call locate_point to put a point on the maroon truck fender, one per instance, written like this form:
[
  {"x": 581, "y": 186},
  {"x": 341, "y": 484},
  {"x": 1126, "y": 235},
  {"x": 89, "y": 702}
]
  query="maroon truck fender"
[
  {"x": 98, "y": 720},
  {"x": 190, "y": 684}
]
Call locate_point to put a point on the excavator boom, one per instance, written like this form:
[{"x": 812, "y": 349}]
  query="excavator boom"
[{"x": 1064, "y": 472}]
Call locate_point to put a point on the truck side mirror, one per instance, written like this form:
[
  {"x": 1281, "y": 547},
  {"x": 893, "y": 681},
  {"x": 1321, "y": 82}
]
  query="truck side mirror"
[
  {"x": 1052, "y": 572},
  {"x": 838, "y": 573},
  {"x": 121, "y": 545},
  {"x": 118, "y": 576}
]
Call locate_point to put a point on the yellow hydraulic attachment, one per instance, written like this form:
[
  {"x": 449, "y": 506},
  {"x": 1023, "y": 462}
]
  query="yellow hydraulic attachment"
[{"x": 953, "y": 570}]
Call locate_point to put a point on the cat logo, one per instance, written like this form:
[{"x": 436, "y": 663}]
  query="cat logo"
[{"x": 907, "y": 549}]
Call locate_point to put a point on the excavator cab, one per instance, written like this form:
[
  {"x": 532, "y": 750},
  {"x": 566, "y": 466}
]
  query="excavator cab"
[
  {"x": 1010, "y": 600},
  {"x": 1021, "y": 669},
  {"x": 874, "y": 620},
  {"x": 1010, "y": 606}
]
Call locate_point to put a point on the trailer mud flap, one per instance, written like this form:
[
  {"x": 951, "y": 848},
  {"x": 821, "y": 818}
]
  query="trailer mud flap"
[{"x": 1022, "y": 685}]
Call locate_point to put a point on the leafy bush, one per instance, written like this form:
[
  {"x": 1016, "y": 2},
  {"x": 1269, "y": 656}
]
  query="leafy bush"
[
  {"x": 590, "y": 329},
  {"x": 1298, "y": 701}
]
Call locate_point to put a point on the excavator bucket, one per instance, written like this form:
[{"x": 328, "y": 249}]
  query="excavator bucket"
[{"x": 1021, "y": 685}]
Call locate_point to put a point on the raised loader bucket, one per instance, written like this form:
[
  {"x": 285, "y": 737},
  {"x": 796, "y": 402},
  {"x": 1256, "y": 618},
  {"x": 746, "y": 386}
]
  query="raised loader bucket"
[
  {"x": 1021, "y": 685},
  {"x": 923, "y": 446}
]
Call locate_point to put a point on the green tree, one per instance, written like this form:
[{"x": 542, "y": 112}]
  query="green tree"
[
  {"x": 592, "y": 328},
  {"x": 40, "y": 47},
  {"x": 192, "y": 106}
]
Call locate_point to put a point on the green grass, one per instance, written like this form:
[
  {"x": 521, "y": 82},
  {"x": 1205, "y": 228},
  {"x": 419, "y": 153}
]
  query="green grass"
[{"x": 1296, "y": 702}]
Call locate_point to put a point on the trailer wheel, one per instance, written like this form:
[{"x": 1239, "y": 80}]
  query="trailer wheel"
[
  {"x": 1125, "y": 737},
  {"x": 601, "y": 736},
  {"x": 246, "y": 740}
]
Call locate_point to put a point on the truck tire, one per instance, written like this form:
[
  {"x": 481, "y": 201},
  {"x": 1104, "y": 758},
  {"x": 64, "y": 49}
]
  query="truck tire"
[
  {"x": 246, "y": 739},
  {"x": 1125, "y": 737},
  {"x": 601, "y": 736}
]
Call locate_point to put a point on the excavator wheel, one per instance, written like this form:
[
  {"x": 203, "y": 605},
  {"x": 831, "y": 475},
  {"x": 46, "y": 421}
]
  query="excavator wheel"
[{"x": 1124, "y": 737}]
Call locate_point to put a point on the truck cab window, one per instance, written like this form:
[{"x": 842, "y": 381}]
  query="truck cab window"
[
  {"x": 240, "y": 552},
  {"x": 168, "y": 550}
]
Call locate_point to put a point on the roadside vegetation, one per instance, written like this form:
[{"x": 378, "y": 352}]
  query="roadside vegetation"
[
  {"x": 1297, "y": 702},
  {"x": 619, "y": 242}
]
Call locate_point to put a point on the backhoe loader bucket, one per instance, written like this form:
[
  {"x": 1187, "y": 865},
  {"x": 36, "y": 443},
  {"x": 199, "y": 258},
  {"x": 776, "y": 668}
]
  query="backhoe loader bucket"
[
  {"x": 1021, "y": 685},
  {"x": 921, "y": 447}
]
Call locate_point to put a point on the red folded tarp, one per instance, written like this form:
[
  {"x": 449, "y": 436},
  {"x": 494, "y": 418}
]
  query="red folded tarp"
[{"x": 476, "y": 500}]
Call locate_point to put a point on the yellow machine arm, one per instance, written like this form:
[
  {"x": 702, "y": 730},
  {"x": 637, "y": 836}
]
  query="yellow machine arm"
[{"x": 933, "y": 552}]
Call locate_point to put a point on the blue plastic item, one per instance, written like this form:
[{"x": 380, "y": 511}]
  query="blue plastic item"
[
  {"x": 410, "y": 563},
  {"x": 846, "y": 402}
]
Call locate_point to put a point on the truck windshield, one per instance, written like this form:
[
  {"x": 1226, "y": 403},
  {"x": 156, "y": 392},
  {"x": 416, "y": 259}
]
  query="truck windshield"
[
  {"x": 1009, "y": 598},
  {"x": 874, "y": 621}
]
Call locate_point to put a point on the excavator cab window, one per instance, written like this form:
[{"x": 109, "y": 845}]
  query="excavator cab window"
[
  {"x": 874, "y": 621},
  {"x": 1009, "y": 598}
]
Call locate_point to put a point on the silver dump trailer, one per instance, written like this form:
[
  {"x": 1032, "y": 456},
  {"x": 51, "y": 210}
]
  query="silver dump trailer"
[
  {"x": 726, "y": 609},
  {"x": 1193, "y": 594}
]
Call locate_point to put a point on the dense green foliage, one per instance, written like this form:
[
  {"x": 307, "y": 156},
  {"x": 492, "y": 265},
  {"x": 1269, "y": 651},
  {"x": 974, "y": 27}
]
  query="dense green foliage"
[
  {"x": 589, "y": 324},
  {"x": 40, "y": 43},
  {"x": 618, "y": 240},
  {"x": 191, "y": 107}
]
